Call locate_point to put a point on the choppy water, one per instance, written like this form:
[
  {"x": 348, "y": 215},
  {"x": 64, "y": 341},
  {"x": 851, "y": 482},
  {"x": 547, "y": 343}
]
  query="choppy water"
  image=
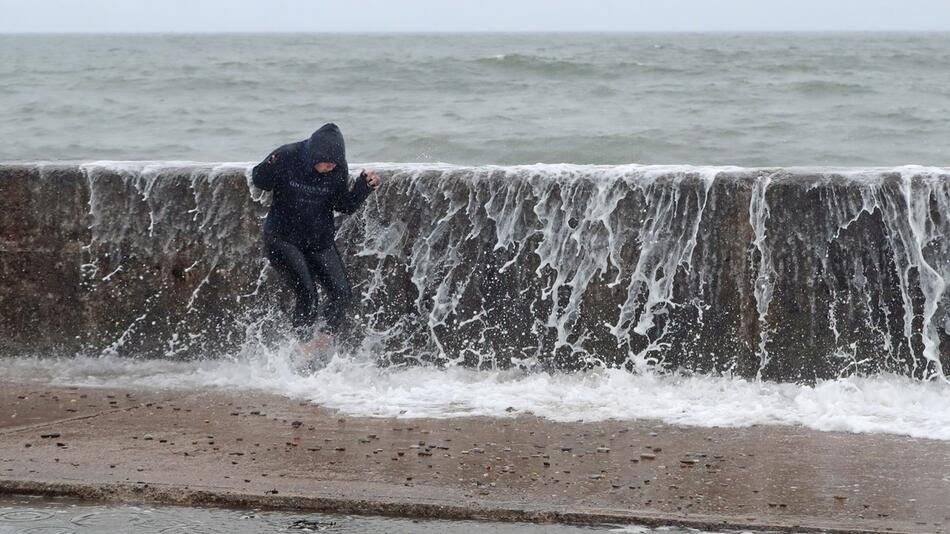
[
  {"x": 748, "y": 99},
  {"x": 25, "y": 515}
]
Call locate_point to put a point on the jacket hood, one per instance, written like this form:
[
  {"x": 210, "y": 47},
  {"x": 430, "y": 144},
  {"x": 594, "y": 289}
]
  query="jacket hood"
[{"x": 326, "y": 144}]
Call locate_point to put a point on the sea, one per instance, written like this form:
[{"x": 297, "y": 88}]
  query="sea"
[{"x": 750, "y": 99}]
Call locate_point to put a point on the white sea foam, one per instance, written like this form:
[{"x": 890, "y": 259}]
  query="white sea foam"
[
  {"x": 607, "y": 171},
  {"x": 885, "y": 404}
]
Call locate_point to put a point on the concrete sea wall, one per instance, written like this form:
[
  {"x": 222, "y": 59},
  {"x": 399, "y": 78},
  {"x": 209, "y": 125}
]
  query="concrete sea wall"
[{"x": 787, "y": 274}]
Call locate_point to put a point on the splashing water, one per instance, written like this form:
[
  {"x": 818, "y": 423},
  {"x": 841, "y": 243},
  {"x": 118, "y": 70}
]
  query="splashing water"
[
  {"x": 768, "y": 273},
  {"x": 356, "y": 385}
]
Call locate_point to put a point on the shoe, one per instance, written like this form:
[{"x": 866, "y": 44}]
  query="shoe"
[{"x": 319, "y": 342}]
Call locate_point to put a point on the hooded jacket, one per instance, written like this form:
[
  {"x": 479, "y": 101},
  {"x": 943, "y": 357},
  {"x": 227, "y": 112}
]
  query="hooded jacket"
[{"x": 304, "y": 200}]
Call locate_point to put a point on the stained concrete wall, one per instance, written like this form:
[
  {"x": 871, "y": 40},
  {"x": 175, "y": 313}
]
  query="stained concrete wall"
[{"x": 783, "y": 274}]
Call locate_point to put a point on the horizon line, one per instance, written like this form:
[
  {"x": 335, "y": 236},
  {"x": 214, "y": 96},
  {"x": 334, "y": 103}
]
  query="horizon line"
[{"x": 470, "y": 32}]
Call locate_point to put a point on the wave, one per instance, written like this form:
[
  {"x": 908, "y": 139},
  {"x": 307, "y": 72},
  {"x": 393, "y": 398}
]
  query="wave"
[
  {"x": 602, "y": 70},
  {"x": 831, "y": 87},
  {"x": 356, "y": 386},
  {"x": 538, "y": 64}
]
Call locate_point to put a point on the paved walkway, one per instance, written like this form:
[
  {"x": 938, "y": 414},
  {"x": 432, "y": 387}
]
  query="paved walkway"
[{"x": 250, "y": 449}]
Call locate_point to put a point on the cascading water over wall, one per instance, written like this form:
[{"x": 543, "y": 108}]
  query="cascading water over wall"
[{"x": 790, "y": 274}]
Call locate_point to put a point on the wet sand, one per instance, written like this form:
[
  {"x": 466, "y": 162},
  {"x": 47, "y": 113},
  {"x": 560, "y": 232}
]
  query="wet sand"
[{"x": 250, "y": 449}]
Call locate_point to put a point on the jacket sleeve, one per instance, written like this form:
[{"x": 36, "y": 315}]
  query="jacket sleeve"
[
  {"x": 266, "y": 174},
  {"x": 350, "y": 199}
]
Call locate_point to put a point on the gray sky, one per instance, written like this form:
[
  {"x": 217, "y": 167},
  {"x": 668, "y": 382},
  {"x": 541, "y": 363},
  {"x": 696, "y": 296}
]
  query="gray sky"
[{"x": 470, "y": 15}]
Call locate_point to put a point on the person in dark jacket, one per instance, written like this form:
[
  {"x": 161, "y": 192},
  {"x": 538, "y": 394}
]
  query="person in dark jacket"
[{"x": 309, "y": 180}]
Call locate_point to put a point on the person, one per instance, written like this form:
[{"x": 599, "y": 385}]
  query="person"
[{"x": 309, "y": 180}]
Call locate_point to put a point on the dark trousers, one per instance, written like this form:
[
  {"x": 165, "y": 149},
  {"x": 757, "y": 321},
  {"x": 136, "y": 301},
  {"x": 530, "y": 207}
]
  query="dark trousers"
[{"x": 301, "y": 267}]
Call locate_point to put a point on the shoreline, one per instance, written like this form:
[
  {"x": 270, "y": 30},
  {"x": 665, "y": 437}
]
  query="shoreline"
[{"x": 218, "y": 448}]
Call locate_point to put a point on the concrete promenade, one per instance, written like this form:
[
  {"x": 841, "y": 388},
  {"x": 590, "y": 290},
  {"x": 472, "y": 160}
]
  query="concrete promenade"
[{"x": 249, "y": 449}]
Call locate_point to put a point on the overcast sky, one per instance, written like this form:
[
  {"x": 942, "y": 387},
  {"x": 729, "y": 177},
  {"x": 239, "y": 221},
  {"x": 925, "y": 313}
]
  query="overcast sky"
[{"x": 470, "y": 15}]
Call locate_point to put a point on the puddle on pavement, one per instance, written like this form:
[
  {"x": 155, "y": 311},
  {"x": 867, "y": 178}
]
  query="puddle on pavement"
[{"x": 35, "y": 515}]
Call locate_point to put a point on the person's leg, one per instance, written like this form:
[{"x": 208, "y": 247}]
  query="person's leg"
[
  {"x": 292, "y": 265},
  {"x": 329, "y": 270}
]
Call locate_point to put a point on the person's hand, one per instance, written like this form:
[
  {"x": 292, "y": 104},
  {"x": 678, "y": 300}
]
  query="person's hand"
[{"x": 372, "y": 179}]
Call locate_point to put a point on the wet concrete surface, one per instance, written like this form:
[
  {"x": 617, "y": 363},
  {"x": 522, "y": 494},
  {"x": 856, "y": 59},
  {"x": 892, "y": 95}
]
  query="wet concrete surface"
[
  {"x": 37, "y": 515},
  {"x": 250, "y": 449}
]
